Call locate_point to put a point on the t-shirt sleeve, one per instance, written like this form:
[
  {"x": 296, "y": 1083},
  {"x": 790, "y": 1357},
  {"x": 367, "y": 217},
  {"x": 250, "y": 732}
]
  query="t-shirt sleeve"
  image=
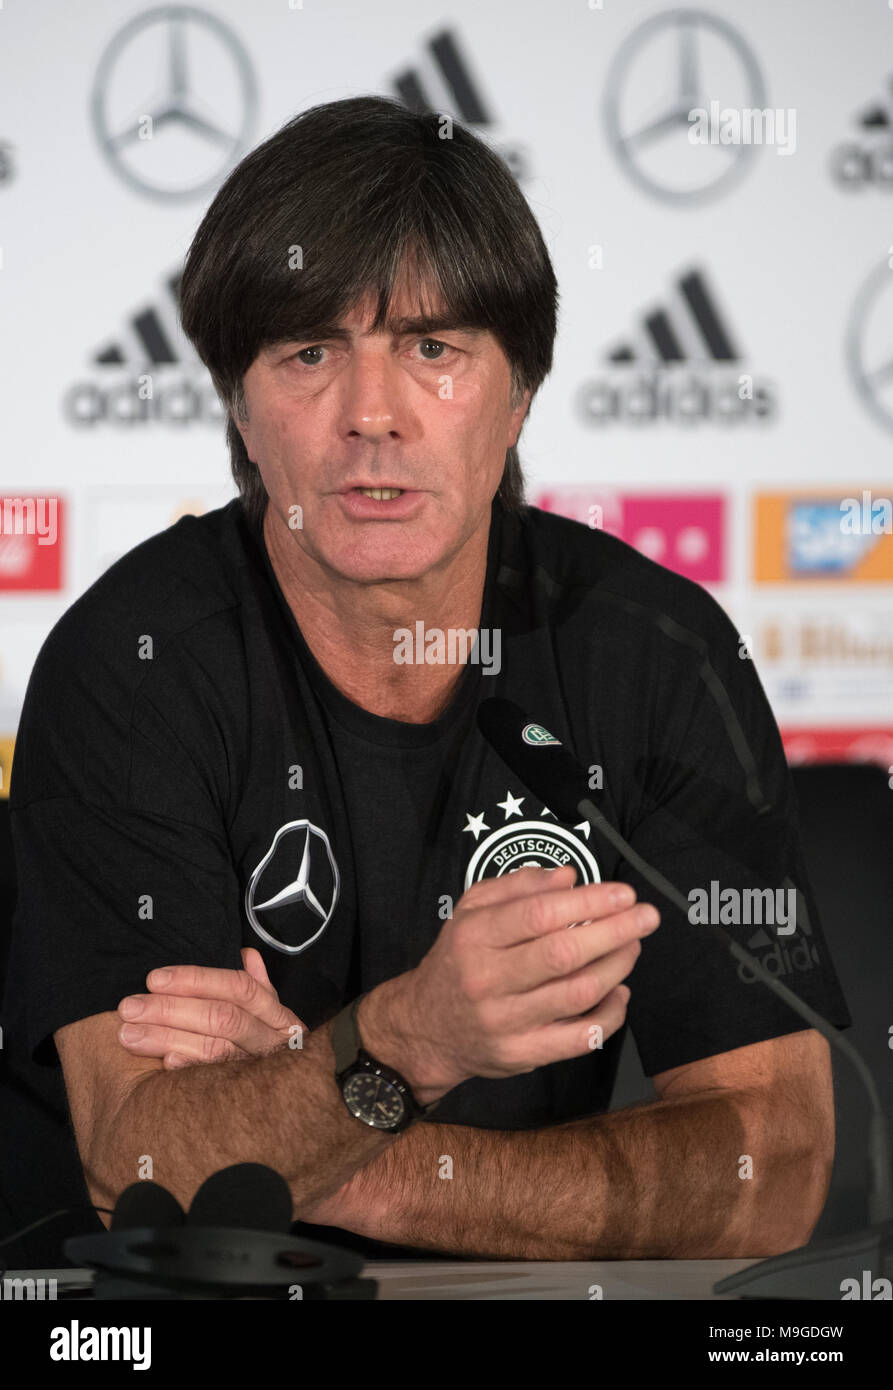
[
  {"x": 720, "y": 816},
  {"x": 118, "y": 826}
]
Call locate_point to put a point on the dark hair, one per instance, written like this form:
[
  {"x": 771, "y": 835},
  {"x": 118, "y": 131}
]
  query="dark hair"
[{"x": 350, "y": 192}]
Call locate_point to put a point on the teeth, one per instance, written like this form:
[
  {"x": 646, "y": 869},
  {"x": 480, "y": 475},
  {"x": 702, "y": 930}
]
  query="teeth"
[{"x": 381, "y": 494}]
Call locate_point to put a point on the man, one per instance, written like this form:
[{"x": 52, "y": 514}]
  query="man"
[{"x": 226, "y": 767}]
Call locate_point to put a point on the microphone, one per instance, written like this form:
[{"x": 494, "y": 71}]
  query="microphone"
[
  {"x": 230, "y": 1245},
  {"x": 544, "y": 765},
  {"x": 247, "y": 1195},
  {"x": 146, "y": 1204}
]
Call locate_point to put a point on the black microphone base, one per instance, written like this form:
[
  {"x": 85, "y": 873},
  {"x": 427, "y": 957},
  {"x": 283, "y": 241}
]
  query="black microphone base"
[
  {"x": 217, "y": 1262},
  {"x": 113, "y": 1288},
  {"x": 852, "y": 1266}
]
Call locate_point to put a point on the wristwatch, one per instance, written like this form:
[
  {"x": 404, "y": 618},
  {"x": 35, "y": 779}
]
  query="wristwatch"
[{"x": 374, "y": 1093}]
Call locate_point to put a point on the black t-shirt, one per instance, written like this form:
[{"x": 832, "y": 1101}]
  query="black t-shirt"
[{"x": 187, "y": 781}]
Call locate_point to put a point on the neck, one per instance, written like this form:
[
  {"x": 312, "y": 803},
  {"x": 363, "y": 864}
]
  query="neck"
[{"x": 349, "y": 627}]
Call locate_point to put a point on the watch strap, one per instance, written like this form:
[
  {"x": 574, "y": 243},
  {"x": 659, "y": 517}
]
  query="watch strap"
[
  {"x": 348, "y": 1048},
  {"x": 346, "y": 1036}
]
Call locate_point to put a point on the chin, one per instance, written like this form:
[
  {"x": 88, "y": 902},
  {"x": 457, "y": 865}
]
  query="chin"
[
  {"x": 364, "y": 570},
  {"x": 389, "y": 551}
]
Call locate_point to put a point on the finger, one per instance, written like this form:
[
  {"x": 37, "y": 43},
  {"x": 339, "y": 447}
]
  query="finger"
[
  {"x": 211, "y": 1018},
  {"x": 510, "y": 923},
  {"x": 572, "y": 995},
  {"x": 236, "y": 986},
  {"x": 160, "y": 1042},
  {"x": 253, "y": 962},
  {"x": 520, "y": 883},
  {"x": 558, "y": 955},
  {"x": 576, "y": 1037}
]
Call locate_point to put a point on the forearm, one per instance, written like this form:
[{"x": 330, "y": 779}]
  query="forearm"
[
  {"x": 665, "y": 1180},
  {"x": 283, "y": 1110}
]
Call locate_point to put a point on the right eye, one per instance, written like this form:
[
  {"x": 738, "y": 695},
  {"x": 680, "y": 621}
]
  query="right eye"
[{"x": 314, "y": 348}]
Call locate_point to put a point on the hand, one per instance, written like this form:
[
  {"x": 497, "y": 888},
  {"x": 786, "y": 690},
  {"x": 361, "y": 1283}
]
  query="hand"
[
  {"x": 505, "y": 988},
  {"x": 205, "y": 1014}
]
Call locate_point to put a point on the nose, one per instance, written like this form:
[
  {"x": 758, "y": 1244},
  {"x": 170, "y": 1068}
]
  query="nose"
[{"x": 371, "y": 403}]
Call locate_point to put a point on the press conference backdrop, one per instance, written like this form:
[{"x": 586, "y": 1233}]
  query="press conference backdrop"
[{"x": 714, "y": 185}]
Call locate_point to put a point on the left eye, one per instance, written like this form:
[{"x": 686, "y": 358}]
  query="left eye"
[{"x": 435, "y": 342}]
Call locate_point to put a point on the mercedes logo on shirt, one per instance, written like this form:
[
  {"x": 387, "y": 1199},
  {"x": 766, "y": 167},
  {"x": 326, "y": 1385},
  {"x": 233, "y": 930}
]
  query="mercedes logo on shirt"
[
  {"x": 293, "y": 891},
  {"x": 672, "y": 64},
  {"x": 174, "y": 101}
]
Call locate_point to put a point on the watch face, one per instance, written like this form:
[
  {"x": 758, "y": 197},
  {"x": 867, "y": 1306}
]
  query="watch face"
[{"x": 374, "y": 1099}]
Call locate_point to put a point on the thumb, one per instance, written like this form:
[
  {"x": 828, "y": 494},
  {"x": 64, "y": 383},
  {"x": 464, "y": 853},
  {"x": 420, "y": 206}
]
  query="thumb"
[{"x": 254, "y": 965}]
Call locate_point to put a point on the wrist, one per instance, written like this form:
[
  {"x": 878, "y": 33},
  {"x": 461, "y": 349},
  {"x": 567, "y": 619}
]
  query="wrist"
[{"x": 388, "y": 1034}]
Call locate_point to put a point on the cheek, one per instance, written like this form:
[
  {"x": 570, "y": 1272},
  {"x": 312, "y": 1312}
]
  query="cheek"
[
  {"x": 473, "y": 430},
  {"x": 486, "y": 422},
  {"x": 486, "y": 449},
  {"x": 286, "y": 441}
]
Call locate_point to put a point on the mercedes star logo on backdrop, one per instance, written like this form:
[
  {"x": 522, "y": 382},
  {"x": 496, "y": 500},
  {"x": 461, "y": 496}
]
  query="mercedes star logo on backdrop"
[
  {"x": 670, "y": 65},
  {"x": 869, "y": 344},
  {"x": 174, "y": 102}
]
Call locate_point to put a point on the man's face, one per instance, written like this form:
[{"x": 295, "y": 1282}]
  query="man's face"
[{"x": 423, "y": 410}]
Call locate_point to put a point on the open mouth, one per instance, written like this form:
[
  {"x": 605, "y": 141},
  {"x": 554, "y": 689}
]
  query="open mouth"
[{"x": 382, "y": 503}]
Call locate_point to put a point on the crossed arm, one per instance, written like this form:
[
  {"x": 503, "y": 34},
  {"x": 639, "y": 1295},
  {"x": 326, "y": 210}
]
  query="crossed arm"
[
  {"x": 733, "y": 1158},
  {"x": 705, "y": 1175}
]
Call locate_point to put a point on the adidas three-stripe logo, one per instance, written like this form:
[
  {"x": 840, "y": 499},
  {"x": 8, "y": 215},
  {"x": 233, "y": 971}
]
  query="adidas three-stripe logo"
[{"x": 668, "y": 341}]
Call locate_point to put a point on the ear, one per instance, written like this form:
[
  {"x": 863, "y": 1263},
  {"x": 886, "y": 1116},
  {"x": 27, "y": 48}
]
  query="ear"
[
  {"x": 517, "y": 418},
  {"x": 244, "y": 428}
]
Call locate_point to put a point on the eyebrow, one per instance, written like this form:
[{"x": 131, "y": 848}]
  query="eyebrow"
[{"x": 399, "y": 328}]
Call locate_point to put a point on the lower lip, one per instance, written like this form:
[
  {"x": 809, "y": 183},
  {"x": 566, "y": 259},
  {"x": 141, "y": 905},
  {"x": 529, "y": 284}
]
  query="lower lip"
[{"x": 364, "y": 508}]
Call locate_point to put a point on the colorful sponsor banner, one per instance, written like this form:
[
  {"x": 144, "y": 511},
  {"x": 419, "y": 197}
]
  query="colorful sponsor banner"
[
  {"x": 32, "y": 528},
  {"x": 823, "y": 535},
  {"x": 828, "y": 664},
  {"x": 685, "y": 531},
  {"x": 7, "y": 742},
  {"x": 849, "y": 745}
]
